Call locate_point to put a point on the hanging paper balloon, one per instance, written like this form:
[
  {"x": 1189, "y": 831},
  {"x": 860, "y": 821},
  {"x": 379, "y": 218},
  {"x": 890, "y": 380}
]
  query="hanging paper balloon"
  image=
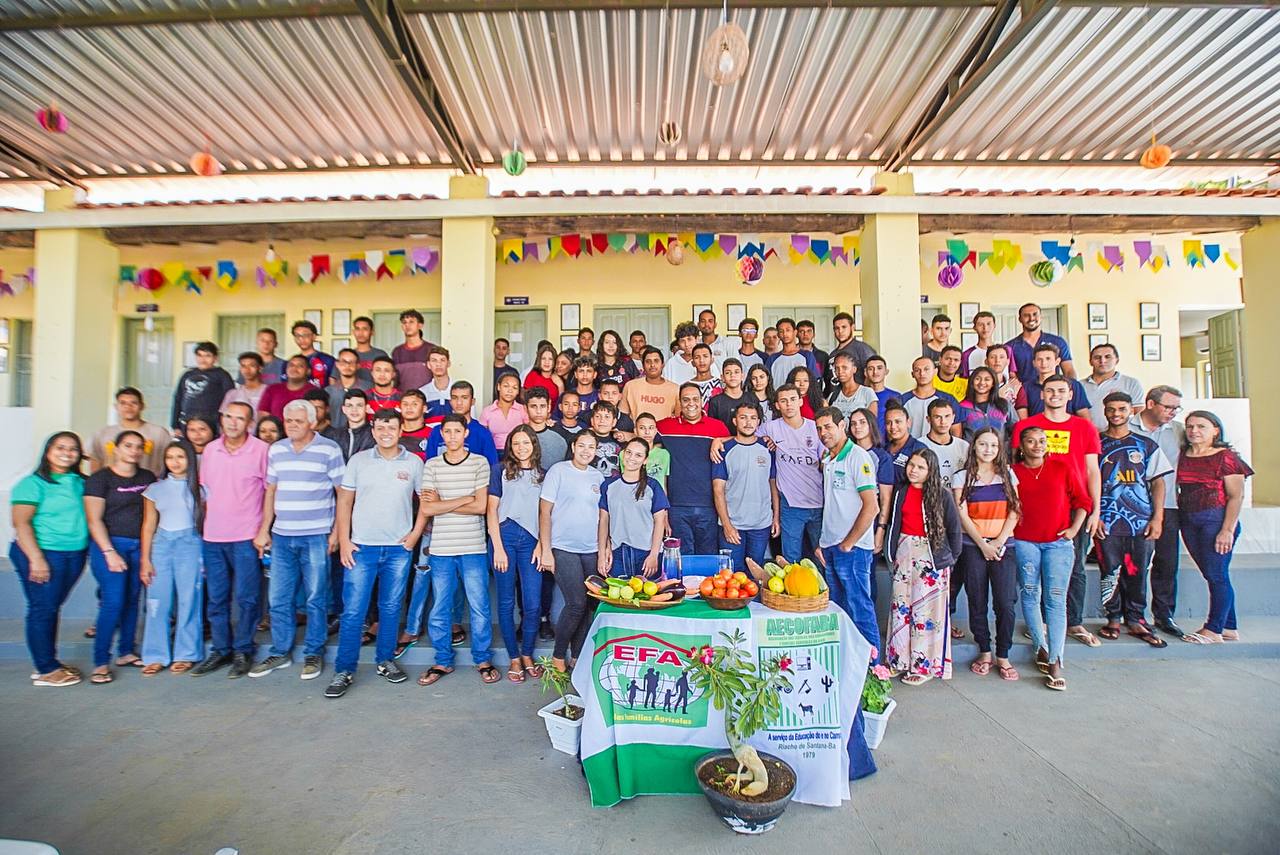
[
  {"x": 675, "y": 253},
  {"x": 669, "y": 133},
  {"x": 951, "y": 275},
  {"x": 52, "y": 119},
  {"x": 1156, "y": 157},
  {"x": 1045, "y": 273},
  {"x": 204, "y": 163},
  {"x": 150, "y": 278},
  {"x": 750, "y": 269},
  {"x": 514, "y": 162}
]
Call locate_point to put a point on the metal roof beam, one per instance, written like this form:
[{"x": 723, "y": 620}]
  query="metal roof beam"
[
  {"x": 982, "y": 59},
  {"x": 165, "y": 17},
  {"x": 389, "y": 28},
  {"x": 34, "y": 166}
]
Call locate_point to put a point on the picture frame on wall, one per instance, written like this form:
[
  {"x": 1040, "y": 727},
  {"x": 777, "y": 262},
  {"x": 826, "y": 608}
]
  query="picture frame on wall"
[
  {"x": 1149, "y": 316},
  {"x": 735, "y": 314},
  {"x": 1151, "y": 347},
  {"x": 4, "y": 359},
  {"x": 1096, "y": 339},
  {"x": 1097, "y": 316},
  {"x": 4, "y": 330},
  {"x": 341, "y": 322},
  {"x": 571, "y": 318},
  {"x": 339, "y": 343},
  {"x": 968, "y": 340},
  {"x": 315, "y": 316},
  {"x": 569, "y": 342},
  {"x": 857, "y": 316},
  {"x": 967, "y": 311},
  {"x": 699, "y": 308}
]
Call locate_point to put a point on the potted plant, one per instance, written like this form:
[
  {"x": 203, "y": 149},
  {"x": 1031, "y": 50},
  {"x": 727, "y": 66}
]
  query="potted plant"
[
  {"x": 877, "y": 706},
  {"x": 748, "y": 790},
  {"x": 563, "y": 716}
]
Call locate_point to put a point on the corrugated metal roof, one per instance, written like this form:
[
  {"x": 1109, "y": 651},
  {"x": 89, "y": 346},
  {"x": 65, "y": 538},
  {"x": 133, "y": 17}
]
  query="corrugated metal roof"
[
  {"x": 595, "y": 85},
  {"x": 1086, "y": 83},
  {"x": 268, "y": 94}
]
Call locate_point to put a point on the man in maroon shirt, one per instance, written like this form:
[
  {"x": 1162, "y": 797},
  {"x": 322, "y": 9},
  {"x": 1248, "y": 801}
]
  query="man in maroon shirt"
[
  {"x": 296, "y": 384},
  {"x": 1075, "y": 439}
]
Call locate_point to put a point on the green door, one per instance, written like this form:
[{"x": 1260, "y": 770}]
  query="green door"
[
  {"x": 653, "y": 321},
  {"x": 524, "y": 328},
  {"x": 238, "y": 334},
  {"x": 821, "y": 316},
  {"x": 149, "y": 364},
  {"x": 22, "y": 342}
]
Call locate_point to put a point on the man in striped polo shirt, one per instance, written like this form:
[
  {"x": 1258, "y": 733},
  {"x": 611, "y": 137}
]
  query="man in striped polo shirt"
[{"x": 303, "y": 470}]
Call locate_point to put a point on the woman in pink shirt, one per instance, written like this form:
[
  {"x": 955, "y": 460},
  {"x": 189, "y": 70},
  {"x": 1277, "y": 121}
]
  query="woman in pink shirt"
[{"x": 506, "y": 413}]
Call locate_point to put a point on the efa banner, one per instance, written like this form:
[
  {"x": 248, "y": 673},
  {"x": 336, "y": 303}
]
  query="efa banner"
[{"x": 646, "y": 725}]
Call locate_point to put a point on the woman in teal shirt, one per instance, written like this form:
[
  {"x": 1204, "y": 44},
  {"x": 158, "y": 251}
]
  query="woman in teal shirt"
[{"x": 51, "y": 539}]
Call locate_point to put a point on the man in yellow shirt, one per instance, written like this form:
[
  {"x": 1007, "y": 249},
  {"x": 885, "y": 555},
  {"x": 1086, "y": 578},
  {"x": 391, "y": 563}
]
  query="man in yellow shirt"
[{"x": 949, "y": 379}]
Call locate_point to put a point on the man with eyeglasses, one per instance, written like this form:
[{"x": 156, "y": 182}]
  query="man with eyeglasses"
[
  {"x": 748, "y": 353},
  {"x": 1156, "y": 422}
]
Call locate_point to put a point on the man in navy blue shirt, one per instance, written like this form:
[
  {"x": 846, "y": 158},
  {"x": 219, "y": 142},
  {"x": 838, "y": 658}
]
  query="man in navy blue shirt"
[
  {"x": 1024, "y": 346},
  {"x": 462, "y": 397},
  {"x": 687, "y": 438},
  {"x": 1030, "y": 400},
  {"x": 875, "y": 369}
]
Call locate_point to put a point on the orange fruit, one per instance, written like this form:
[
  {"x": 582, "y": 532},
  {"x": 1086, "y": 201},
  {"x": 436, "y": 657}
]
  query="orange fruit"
[
  {"x": 740, "y": 577},
  {"x": 706, "y": 588}
]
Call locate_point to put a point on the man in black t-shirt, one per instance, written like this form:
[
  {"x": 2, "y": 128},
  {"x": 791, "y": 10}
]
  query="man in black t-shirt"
[{"x": 200, "y": 390}]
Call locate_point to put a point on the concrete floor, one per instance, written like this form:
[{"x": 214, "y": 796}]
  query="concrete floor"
[{"x": 1163, "y": 755}]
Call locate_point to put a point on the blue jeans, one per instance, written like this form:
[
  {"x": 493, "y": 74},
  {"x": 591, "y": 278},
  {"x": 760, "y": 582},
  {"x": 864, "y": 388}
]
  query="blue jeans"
[
  {"x": 849, "y": 574},
  {"x": 234, "y": 563},
  {"x": 45, "y": 599},
  {"x": 299, "y": 558},
  {"x": 522, "y": 569},
  {"x": 117, "y": 599},
  {"x": 1199, "y": 530},
  {"x": 175, "y": 556},
  {"x": 697, "y": 528},
  {"x": 418, "y": 601},
  {"x": 754, "y": 545},
  {"x": 474, "y": 572},
  {"x": 799, "y": 525},
  {"x": 1045, "y": 566},
  {"x": 629, "y": 561},
  {"x": 389, "y": 567}
]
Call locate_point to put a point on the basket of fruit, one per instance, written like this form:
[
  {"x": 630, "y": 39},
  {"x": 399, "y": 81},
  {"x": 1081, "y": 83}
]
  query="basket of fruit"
[
  {"x": 795, "y": 586},
  {"x": 636, "y": 593},
  {"x": 728, "y": 590}
]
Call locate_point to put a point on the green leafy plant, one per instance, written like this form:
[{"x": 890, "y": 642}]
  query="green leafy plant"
[
  {"x": 750, "y": 698},
  {"x": 553, "y": 679},
  {"x": 876, "y": 689}
]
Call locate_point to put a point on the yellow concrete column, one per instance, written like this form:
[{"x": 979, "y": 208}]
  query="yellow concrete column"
[
  {"x": 1261, "y": 250},
  {"x": 74, "y": 348},
  {"x": 890, "y": 278},
  {"x": 467, "y": 258}
]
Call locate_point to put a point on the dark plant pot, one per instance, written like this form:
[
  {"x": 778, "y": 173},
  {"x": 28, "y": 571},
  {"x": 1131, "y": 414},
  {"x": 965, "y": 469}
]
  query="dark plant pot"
[{"x": 742, "y": 815}]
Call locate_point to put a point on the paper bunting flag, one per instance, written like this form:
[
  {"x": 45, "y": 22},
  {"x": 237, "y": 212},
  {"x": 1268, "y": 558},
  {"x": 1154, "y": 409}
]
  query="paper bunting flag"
[
  {"x": 704, "y": 244},
  {"x": 173, "y": 272},
  {"x": 599, "y": 242},
  {"x": 373, "y": 259},
  {"x": 1142, "y": 249},
  {"x": 554, "y": 247},
  {"x": 617, "y": 242},
  {"x": 1055, "y": 251},
  {"x": 961, "y": 254},
  {"x": 18, "y": 283},
  {"x": 6, "y": 290},
  {"x": 205, "y": 273},
  {"x": 572, "y": 245},
  {"x": 189, "y": 282},
  {"x": 306, "y": 273},
  {"x": 1109, "y": 257},
  {"x": 728, "y": 243},
  {"x": 659, "y": 243},
  {"x": 983, "y": 258},
  {"x": 641, "y": 242},
  {"x": 425, "y": 259},
  {"x": 1213, "y": 252},
  {"x": 319, "y": 267},
  {"x": 227, "y": 275},
  {"x": 820, "y": 249},
  {"x": 1005, "y": 255},
  {"x": 1193, "y": 252},
  {"x": 1230, "y": 260},
  {"x": 129, "y": 273},
  {"x": 351, "y": 268},
  {"x": 852, "y": 246},
  {"x": 531, "y": 249},
  {"x": 395, "y": 262},
  {"x": 512, "y": 250},
  {"x": 838, "y": 255}
]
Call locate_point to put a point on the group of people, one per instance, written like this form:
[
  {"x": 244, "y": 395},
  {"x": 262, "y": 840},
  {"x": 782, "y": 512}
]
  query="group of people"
[{"x": 368, "y": 493}]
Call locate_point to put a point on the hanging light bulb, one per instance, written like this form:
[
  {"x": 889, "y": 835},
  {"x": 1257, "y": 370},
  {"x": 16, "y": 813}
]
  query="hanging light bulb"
[
  {"x": 149, "y": 323},
  {"x": 725, "y": 53},
  {"x": 725, "y": 63}
]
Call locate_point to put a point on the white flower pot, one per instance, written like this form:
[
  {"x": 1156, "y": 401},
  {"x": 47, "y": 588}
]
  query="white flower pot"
[
  {"x": 565, "y": 733},
  {"x": 874, "y": 724}
]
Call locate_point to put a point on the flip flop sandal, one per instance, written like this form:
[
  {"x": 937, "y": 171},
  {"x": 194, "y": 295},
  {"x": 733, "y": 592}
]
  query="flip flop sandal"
[
  {"x": 91, "y": 632},
  {"x": 1056, "y": 683},
  {"x": 402, "y": 648},
  {"x": 1150, "y": 638},
  {"x": 433, "y": 675},
  {"x": 981, "y": 667},
  {"x": 1109, "y": 632},
  {"x": 488, "y": 674},
  {"x": 458, "y": 638},
  {"x": 916, "y": 679},
  {"x": 515, "y": 675},
  {"x": 1008, "y": 672},
  {"x": 151, "y": 670},
  {"x": 101, "y": 679},
  {"x": 367, "y": 638},
  {"x": 1088, "y": 639},
  {"x": 180, "y": 667},
  {"x": 1197, "y": 638},
  {"x": 132, "y": 663},
  {"x": 1042, "y": 665},
  {"x": 534, "y": 671},
  {"x": 957, "y": 632}
]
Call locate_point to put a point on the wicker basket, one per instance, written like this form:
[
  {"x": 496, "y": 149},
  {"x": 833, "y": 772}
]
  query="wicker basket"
[{"x": 786, "y": 602}]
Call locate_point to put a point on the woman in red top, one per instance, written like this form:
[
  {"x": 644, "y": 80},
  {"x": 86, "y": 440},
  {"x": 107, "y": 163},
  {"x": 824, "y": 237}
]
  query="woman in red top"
[
  {"x": 1210, "y": 492},
  {"x": 543, "y": 375},
  {"x": 1054, "y": 506},
  {"x": 921, "y": 541},
  {"x": 811, "y": 399}
]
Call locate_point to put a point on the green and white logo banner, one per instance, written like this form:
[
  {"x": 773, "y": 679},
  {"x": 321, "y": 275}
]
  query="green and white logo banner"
[{"x": 646, "y": 726}]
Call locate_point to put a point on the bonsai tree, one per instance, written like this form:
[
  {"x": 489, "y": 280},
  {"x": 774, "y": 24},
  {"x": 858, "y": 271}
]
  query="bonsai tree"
[
  {"x": 749, "y": 697},
  {"x": 560, "y": 681}
]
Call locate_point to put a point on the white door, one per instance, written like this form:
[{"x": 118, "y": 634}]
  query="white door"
[{"x": 524, "y": 328}]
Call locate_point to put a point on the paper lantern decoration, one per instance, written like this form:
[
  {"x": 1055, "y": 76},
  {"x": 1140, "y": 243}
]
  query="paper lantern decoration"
[
  {"x": 951, "y": 275},
  {"x": 52, "y": 119},
  {"x": 669, "y": 133},
  {"x": 514, "y": 161},
  {"x": 724, "y": 56},
  {"x": 1045, "y": 273},
  {"x": 675, "y": 253},
  {"x": 750, "y": 269},
  {"x": 204, "y": 163},
  {"x": 1157, "y": 156},
  {"x": 150, "y": 279}
]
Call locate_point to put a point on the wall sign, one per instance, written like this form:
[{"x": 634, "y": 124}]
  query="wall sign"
[{"x": 515, "y": 301}]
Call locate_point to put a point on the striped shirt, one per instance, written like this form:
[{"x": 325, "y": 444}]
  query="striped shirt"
[
  {"x": 457, "y": 534},
  {"x": 304, "y": 482}
]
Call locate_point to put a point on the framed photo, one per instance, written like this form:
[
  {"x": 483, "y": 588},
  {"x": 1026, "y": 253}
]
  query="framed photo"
[
  {"x": 339, "y": 343},
  {"x": 571, "y": 318},
  {"x": 967, "y": 311},
  {"x": 737, "y": 313},
  {"x": 569, "y": 342},
  {"x": 857, "y": 317},
  {"x": 189, "y": 354},
  {"x": 1149, "y": 316},
  {"x": 968, "y": 339},
  {"x": 316, "y": 316},
  {"x": 1097, "y": 316},
  {"x": 1151, "y": 347},
  {"x": 1096, "y": 339},
  {"x": 4, "y": 359},
  {"x": 4, "y": 330},
  {"x": 699, "y": 308},
  {"x": 341, "y": 322}
]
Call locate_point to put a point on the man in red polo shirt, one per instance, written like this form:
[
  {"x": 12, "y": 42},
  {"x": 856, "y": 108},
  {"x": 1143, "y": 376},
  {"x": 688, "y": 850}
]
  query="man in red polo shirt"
[
  {"x": 1075, "y": 439},
  {"x": 687, "y": 438}
]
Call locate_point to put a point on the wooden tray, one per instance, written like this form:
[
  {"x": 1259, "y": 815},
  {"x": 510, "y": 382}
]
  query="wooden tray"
[
  {"x": 639, "y": 605},
  {"x": 786, "y": 602}
]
